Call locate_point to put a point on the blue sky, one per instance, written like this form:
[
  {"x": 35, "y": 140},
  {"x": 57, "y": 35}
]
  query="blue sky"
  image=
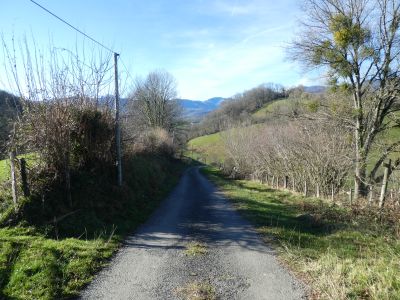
[{"x": 212, "y": 47}]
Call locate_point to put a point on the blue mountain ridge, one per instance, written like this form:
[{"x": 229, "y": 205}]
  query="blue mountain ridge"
[{"x": 194, "y": 109}]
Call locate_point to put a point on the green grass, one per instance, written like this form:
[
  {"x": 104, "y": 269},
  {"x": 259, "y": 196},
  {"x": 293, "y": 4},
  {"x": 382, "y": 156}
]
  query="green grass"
[
  {"x": 340, "y": 254},
  {"x": 388, "y": 137},
  {"x": 43, "y": 260},
  {"x": 276, "y": 107},
  {"x": 30, "y": 158},
  {"x": 270, "y": 107},
  {"x": 208, "y": 147},
  {"x": 4, "y": 170},
  {"x": 35, "y": 267}
]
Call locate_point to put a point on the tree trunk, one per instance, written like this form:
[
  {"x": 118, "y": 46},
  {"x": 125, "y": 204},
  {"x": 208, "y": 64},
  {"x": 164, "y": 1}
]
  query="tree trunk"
[
  {"x": 359, "y": 182},
  {"x": 360, "y": 175},
  {"x": 360, "y": 163}
]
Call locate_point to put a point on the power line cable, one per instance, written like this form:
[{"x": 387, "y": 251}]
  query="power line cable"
[
  {"x": 118, "y": 132},
  {"x": 73, "y": 27},
  {"x": 126, "y": 69},
  {"x": 82, "y": 62}
]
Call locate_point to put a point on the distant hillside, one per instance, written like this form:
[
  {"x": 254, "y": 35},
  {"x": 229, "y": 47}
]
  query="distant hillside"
[
  {"x": 195, "y": 109},
  {"x": 315, "y": 89}
]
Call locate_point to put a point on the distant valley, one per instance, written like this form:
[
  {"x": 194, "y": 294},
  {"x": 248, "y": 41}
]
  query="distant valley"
[{"x": 196, "y": 109}]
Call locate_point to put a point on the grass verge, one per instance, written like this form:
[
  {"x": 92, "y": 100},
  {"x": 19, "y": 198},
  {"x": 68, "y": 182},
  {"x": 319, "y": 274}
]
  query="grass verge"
[
  {"x": 4, "y": 172},
  {"x": 341, "y": 255},
  {"x": 5, "y": 165},
  {"x": 44, "y": 260},
  {"x": 36, "y": 267}
]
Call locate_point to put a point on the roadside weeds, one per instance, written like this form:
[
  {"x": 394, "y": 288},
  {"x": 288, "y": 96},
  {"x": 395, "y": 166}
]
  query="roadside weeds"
[{"x": 340, "y": 256}]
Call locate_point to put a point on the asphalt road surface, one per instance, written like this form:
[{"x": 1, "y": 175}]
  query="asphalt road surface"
[{"x": 153, "y": 263}]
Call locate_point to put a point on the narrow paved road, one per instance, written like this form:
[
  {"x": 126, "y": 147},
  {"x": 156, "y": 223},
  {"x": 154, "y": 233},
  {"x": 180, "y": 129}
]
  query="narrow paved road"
[{"x": 153, "y": 264}]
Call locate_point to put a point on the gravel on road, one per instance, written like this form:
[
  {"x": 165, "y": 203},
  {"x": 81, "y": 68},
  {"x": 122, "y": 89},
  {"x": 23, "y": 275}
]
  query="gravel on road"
[{"x": 231, "y": 260}]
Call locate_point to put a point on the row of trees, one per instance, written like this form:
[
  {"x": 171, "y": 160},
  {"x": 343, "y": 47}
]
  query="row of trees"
[{"x": 301, "y": 154}]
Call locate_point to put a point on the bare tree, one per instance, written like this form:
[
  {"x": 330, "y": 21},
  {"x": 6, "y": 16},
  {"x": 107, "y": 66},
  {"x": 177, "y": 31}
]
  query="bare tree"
[
  {"x": 62, "y": 121},
  {"x": 153, "y": 101},
  {"x": 357, "y": 41}
]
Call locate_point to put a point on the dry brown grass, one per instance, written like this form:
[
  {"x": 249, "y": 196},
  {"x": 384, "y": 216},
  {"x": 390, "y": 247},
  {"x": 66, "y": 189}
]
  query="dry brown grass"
[
  {"x": 195, "y": 248},
  {"x": 197, "y": 291}
]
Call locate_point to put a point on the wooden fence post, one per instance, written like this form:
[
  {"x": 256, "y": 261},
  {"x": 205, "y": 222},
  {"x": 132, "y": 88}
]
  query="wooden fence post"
[
  {"x": 305, "y": 189},
  {"x": 370, "y": 194},
  {"x": 67, "y": 175},
  {"x": 13, "y": 180},
  {"x": 384, "y": 184},
  {"x": 351, "y": 197},
  {"x": 24, "y": 178}
]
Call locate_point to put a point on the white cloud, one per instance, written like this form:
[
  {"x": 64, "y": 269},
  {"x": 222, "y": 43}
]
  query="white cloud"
[{"x": 225, "y": 71}]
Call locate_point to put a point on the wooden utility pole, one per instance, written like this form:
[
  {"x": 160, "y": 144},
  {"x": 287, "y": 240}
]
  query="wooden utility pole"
[{"x": 117, "y": 125}]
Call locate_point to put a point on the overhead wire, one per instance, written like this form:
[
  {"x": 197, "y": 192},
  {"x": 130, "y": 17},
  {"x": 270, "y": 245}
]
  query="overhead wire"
[
  {"x": 83, "y": 33},
  {"x": 126, "y": 69},
  {"x": 73, "y": 27}
]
